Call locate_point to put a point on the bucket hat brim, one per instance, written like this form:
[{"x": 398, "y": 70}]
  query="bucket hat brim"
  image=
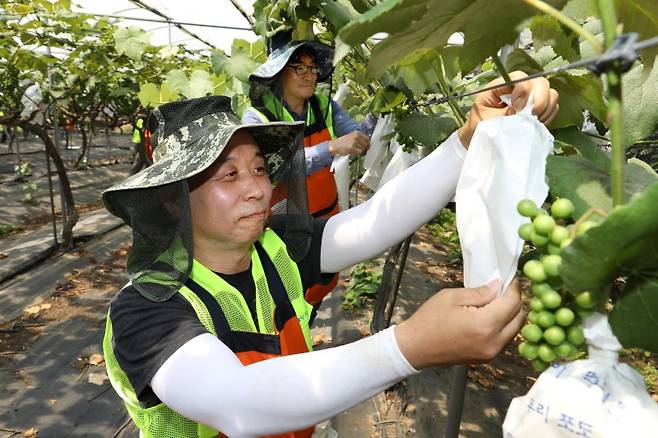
[
  {"x": 280, "y": 57},
  {"x": 195, "y": 147}
]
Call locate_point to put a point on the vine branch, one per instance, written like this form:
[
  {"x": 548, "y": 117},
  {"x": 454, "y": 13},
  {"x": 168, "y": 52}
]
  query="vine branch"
[
  {"x": 608, "y": 16},
  {"x": 237, "y": 5}
]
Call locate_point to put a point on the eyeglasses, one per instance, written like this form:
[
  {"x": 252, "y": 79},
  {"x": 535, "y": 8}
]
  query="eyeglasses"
[{"x": 301, "y": 69}]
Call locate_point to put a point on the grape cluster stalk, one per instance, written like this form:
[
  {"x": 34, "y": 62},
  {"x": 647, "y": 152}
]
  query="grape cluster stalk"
[{"x": 554, "y": 329}]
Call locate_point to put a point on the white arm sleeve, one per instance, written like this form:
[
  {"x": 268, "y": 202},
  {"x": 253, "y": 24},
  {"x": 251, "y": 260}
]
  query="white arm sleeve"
[
  {"x": 398, "y": 209},
  {"x": 204, "y": 381}
]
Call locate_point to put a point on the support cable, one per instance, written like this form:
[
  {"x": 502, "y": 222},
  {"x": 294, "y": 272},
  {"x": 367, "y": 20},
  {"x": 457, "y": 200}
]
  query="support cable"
[
  {"x": 623, "y": 53},
  {"x": 151, "y": 9}
]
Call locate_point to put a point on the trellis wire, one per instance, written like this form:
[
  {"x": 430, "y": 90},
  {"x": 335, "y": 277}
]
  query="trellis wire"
[{"x": 651, "y": 42}]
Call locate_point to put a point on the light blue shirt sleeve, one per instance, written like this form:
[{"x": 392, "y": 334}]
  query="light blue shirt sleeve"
[
  {"x": 317, "y": 157},
  {"x": 344, "y": 124},
  {"x": 250, "y": 116}
]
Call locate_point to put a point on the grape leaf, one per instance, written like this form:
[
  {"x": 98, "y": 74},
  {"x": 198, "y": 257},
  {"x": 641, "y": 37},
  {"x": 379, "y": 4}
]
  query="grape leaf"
[
  {"x": 588, "y": 185},
  {"x": 577, "y": 93},
  {"x": 200, "y": 84},
  {"x": 426, "y": 130},
  {"x": 131, "y": 42},
  {"x": 177, "y": 81},
  {"x": 240, "y": 64},
  {"x": 580, "y": 9},
  {"x": 388, "y": 16},
  {"x": 639, "y": 103},
  {"x": 168, "y": 51},
  {"x": 593, "y": 259},
  {"x": 574, "y": 137},
  {"x": 487, "y": 25},
  {"x": 419, "y": 71},
  {"x": 640, "y": 16},
  {"x": 337, "y": 15},
  {"x": 385, "y": 99},
  {"x": 634, "y": 319},
  {"x": 360, "y": 6},
  {"x": 521, "y": 60},
  {"x": 149, "y": 94},
  {"x": 580, "y": 180},
  {"x": 547, "y": 32}
]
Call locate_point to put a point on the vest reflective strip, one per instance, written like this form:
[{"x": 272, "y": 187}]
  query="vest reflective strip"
[
  {"x": 232, "y": 302},
  {"x": 325, "y": 106}
]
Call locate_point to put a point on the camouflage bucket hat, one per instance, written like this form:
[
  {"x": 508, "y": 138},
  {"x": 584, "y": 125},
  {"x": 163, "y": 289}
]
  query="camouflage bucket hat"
[
  {"x": 193, "y": 147},
  {"x": 188, "y": 136},
  {"x": 278, "y": 59}
]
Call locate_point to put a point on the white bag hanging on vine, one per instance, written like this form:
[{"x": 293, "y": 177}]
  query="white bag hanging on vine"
[
  {"x": 592, "y": 398},
  {"x": 505, "y": 163},
  {"x": 400, "y": 161},
  {"x": 340, "y": 166},
  {"x": 342, "y": 93},
  {"x": 378, "y": 154}
]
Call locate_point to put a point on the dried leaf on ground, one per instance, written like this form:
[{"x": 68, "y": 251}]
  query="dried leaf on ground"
[
  {"x": 33, "y": 310},
  {"x": 96, "y": 359},
  {"x": 31, "y": 432},
  {"x": 321, "y": 338},
  {"x": 97, "y": 378}
]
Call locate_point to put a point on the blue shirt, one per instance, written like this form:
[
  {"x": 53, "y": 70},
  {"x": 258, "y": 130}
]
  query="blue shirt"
[{"x": 318, "y": 156}]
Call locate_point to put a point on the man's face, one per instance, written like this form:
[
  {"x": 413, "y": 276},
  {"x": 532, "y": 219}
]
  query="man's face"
[
  {"x": 299, "y": 86},
  {"x": 230, "y": 200}
]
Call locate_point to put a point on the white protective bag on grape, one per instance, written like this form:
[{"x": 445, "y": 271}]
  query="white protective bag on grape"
[
  {"x": 400, "y": 161},
  {"x": 593, "y": 398},
  {"x": 378, "y": 155},
  {"x": 340, "y": 166},
  {"x": 505, "y": 163}
]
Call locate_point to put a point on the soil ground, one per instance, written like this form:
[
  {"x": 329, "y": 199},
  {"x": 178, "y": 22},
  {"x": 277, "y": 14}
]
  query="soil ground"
[{"x": 52, "y": 376}]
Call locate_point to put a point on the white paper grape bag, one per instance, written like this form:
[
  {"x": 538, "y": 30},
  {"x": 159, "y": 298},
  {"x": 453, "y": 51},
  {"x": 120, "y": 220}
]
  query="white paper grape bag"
[
  {"x": 378, "y": 154},
  {"x": 506, "y": 162},
  {"x": 593, "y": 398},
  {"x": 340, "y": 166},
  {"x": 400, "y": 161}
]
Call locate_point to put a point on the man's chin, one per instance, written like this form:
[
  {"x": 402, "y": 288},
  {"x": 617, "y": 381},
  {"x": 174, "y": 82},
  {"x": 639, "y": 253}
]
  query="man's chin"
[{"x": 253, "y": 231}]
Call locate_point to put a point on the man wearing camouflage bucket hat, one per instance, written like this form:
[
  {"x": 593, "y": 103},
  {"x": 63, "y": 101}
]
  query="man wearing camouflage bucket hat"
[
  {"x": 211, "y": 335},
  {"x": 284, "y": 89}
]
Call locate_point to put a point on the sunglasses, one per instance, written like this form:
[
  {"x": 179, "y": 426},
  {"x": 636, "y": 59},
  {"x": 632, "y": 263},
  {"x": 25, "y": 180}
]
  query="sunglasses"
[{"x": 301, "y": 69}]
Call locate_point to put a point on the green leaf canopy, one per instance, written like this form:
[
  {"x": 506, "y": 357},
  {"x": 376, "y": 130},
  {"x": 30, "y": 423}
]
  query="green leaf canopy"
[
  {"x": 131, "y": 42},
  {"x": 595, "y": 258},
  {"x": 487, "y": 25}
]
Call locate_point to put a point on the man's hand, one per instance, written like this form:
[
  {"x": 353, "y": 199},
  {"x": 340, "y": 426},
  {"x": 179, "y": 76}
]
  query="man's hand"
[
  {"x": 488, "y": 105},
  {"x": 354, "y": 143},
  {"x": 461, "y": 326}
]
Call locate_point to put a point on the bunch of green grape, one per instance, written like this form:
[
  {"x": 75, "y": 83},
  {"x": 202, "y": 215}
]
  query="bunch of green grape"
[
  {"x": 554, "y": 329},
  {"x": 9, "y": 85}
]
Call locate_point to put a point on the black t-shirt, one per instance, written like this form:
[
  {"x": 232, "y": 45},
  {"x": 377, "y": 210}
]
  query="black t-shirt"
[{"x": 146, "y": 333}]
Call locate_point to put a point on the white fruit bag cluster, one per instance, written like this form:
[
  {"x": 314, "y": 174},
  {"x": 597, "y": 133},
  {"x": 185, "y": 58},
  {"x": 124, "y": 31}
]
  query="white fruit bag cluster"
[
  {"x": 386, "y": 157},
  {"x": 505, "y": 163},
  {"x": 593, "y": 398},
  {"x": 378, "y": 155}
]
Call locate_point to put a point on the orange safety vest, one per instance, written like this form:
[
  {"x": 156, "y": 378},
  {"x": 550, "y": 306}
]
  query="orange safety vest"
[
  {"x": 322, "y": 194},
  {"x": 254, "y": 347}
]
